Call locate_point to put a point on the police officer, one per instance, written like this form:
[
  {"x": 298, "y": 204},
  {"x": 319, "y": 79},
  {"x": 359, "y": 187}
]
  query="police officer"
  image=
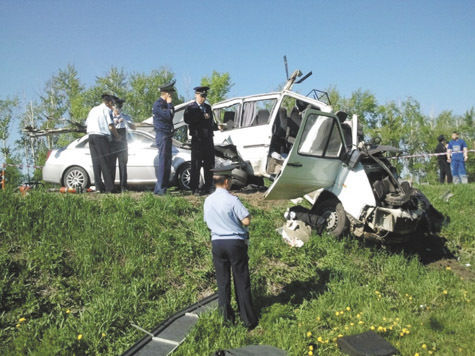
[
  {"x": 199, "y": 117},
  {"x": 163, "y": 112},
  {"x": 228, "y": 220},
  {"x": 99, "y": 128},
  {"x": 119, "y": 149}
]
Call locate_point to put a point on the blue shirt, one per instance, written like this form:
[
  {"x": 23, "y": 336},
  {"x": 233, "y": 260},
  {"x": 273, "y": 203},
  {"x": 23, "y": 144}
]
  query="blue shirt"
[
  {"x": 457, "y": 147},
  {"x": 163, "y": 113},
  {"x": 223, "y": 213}
]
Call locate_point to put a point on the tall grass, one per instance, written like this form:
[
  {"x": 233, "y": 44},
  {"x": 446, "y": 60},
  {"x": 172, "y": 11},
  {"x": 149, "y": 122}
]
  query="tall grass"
[{"x": 79, "y": 270}]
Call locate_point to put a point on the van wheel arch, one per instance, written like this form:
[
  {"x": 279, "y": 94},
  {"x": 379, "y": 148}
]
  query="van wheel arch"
[{"x": 330, "y": 207}]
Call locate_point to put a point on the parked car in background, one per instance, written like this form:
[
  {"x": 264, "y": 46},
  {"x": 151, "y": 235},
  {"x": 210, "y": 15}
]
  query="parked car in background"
[{"x": 71, "y": 166}]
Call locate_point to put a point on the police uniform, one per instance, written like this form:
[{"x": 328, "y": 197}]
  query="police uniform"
[
  {"x": 119, "y": 148},
  {"x": 201, "y": 127},
  {"x": 223, "y": 213},
  {"x": 444, "y": 166},
  {"x": 97, "y": 122},
  {"x": 163, "y": 113}
]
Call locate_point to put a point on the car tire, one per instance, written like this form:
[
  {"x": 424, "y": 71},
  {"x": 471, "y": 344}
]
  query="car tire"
[
  {"x": 336, "y": 221},
  {"x": 184, "y": 176},
  {"x": 239, "y": 177},
  {"x": 75, "y": 177}
]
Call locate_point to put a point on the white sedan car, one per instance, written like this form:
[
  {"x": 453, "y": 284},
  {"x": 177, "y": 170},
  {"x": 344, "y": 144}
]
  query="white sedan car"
[{"x": 71, "y": 166}]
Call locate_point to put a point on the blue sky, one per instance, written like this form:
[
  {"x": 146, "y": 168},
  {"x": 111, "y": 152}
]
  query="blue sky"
[{"x": 395, "y": 49}]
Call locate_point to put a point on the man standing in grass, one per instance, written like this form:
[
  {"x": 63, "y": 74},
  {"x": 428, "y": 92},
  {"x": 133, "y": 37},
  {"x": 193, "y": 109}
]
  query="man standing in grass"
[
  {"x": 99, "y": 128},
  {"x": 457, "y": 154},
  {"x": 163, "y": 112},
  {"x": 228, "y": 219}
]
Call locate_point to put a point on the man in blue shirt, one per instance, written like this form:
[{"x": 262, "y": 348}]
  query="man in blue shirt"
[
  {"x": 457, "y": 154},
  {"x": 228, "y": 220},
  {"x": 163, "y": 112}
]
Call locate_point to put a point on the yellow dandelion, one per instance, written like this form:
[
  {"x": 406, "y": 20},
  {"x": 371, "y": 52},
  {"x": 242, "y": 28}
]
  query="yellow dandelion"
[
  {"x": 390, "y": 328},
  {"x": 361, "y": 322},
  {"x": 310, "y": 353},
  {"x": 79, "y": 336},
  {"x": 448, "y": 268},
  {"x": 340, "y": 335},
  {"x": 341, "y": 312},
  {"x": 416, "y": 354},
  {"x": 103, "y": 334},
  {"x": 445, "y": 291},
  {"x": 430, "y": 352},
  {"x": 372, "y": 327},
  {"x": 408, "y": 326},
  {"x": 380, "y": 328},
  {"x": 348, "y": 308},
  {"x": 309, "y": 333},
  {"x": 318, "y": 318},
  {"x": 17, "y": 325},
  {"x": 337, "y": 313},
  {"x": 68, "y": 311},
  {"x": 346, "y": 327},
  {"x": 358, "y": 316},
  {"x": 334, "y": 339},
  {"x": 352, "y": 324},
  {"x": 401, "y": 334},
  {"x": 327, "y": 341},
  {"x": 410, "y": 298},
  {"x": 424, "y": 346},
  {"x": 319, "y": 339},
  {"x": 397, "y": 319},
  {"x": 310, "y": 347},
  {"x": 21, "y": 320}
]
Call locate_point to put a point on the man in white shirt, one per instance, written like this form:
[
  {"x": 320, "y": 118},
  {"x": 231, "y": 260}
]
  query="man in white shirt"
[{"x": 99, "y": 128}]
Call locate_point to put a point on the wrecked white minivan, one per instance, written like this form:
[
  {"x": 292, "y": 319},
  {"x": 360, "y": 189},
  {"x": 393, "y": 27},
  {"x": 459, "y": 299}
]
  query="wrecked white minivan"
[{"x": 309, "y": 151}]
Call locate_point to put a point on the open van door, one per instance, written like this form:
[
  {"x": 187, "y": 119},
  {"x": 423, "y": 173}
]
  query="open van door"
[{"x": 314, "y": 160}]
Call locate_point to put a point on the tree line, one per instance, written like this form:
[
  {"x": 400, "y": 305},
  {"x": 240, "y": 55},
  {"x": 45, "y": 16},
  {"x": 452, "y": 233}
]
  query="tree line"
[{"x": 65, "y": 101}]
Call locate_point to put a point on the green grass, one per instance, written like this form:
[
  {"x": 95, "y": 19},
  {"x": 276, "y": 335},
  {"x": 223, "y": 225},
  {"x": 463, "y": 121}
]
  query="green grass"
[{"x": 71, "y": 265}]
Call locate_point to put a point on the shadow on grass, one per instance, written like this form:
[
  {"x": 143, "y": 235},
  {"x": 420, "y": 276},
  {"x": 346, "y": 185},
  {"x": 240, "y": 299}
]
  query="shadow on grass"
[
  {"x": 297, "y": 291},
  {"x": 427, "y": 248}
]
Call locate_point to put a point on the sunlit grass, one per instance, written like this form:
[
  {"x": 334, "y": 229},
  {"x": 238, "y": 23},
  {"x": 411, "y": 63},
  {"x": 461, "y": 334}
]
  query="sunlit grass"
[{"x": 76, "y": 271}]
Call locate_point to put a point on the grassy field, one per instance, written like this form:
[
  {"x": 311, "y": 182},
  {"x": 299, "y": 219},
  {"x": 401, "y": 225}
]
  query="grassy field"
[{"x": 76, "y": 270}]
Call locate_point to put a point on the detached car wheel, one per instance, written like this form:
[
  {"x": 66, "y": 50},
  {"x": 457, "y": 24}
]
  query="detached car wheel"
[
  {"x": 76, "y": 177},
  {"x": 184, "y": 176},
  {"x": 336, "y": 221}
]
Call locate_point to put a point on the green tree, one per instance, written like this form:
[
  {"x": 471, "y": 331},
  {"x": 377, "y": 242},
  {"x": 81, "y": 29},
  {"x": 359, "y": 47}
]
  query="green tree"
[
  {"x": 144, "y": 91},
  {"x": 220, "y": 85},
  {"x": 7, "y": 111}
]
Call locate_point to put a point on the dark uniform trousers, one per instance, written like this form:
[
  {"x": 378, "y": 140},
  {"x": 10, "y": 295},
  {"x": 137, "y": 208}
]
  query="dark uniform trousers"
[
  {"x": 119, "y": 152},
  {"x": 202, "y": 155},
  {"x": 99, "y": 147},
  {"x": 227, "y": 255},
  {"x": 163, "y": 161},
  {"x": 444, "y": 171}
]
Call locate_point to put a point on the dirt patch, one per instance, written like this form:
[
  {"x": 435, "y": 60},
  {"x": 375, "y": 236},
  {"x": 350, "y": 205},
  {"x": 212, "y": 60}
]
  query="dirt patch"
[{"x": 454, "y": 266}]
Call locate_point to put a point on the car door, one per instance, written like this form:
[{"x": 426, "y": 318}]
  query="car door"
[
  {"x": 314, "y": 160},
  {"x": 142, "y": 154}
]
